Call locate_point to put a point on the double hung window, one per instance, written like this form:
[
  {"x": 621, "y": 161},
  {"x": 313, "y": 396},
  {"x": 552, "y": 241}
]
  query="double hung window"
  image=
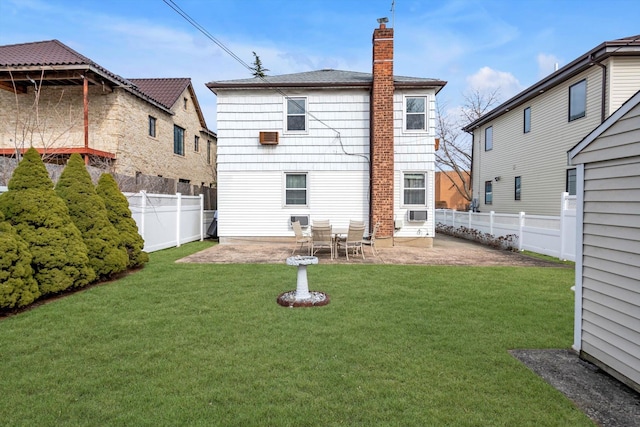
[
  {"x": 295, "y": 189},
  {"x": 296, "y": 114},
  {"x": 415, "y": 189},
  {"x": 415, "y": 108}
]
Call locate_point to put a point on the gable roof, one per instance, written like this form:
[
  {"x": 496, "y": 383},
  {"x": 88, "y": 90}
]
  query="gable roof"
[
  {"x": 630, "y": 104},
  {"x": 627, "y": 46},
  {"x": 164, "y": 90},
  {"x": 327, "y": 78}
]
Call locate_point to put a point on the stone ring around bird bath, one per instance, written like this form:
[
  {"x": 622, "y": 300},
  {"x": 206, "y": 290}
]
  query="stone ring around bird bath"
[{"x": 302, "y": 297}]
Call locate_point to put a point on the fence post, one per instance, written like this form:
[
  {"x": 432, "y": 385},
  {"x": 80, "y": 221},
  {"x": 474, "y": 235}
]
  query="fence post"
[
  {"x": 470, "y": 213},
  {"x": 201, "y": 217},
  {"x": 178, "y": 218},
  {"x": 563, "y": 224},
  {"x": 521, "y": 230},
  {"x": 143, "y": 212},
  {"x": 453, "y": 218},
  {"x": 491, "y": 222}
]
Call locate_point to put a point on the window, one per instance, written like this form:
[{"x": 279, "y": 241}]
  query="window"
[
  {"x": 196, "y": 143},
  {"x": 415, "y": 189},
  {"x": 178, "y": 140},
  {"x": 571, "y": 182},
  {"x": 577, "y": 100},
  {"x": 208, "y": 152},
  {"x": 488, "y": 139},
  {"x": 488, "y": 192},
  {"x": 516, "y": 195},
  {"x": 152, "y": 126},
  {"x": 296, "y": 114},
  {"x": 296, "y": 189},
  {"x": 527, "y": 120},
  {"x": 416, "y": 113},
  {"x": 184, "y": 102}
]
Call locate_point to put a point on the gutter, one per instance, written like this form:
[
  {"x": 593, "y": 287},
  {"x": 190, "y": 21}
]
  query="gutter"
[{"x": 603, "y": 93}]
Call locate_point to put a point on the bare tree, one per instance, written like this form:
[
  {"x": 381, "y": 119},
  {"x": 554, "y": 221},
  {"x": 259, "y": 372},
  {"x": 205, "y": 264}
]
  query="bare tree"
[{"x": 454, "y": 155}]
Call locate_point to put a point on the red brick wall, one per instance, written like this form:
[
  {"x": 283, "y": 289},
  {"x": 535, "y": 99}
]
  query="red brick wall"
[{"x": 382, "y": 131}]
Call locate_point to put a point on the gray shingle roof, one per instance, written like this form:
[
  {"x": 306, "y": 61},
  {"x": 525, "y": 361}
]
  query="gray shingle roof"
[{"x": 321, "y": 78}]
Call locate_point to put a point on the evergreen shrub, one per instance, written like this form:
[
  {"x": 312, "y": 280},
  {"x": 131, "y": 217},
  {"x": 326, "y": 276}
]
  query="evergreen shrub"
[
  {"x": 18, "y": 288},
  {"x": 120, "y": 216},
  {"x": 41, "y": 219},
  {"x": 88, "y": 212}
]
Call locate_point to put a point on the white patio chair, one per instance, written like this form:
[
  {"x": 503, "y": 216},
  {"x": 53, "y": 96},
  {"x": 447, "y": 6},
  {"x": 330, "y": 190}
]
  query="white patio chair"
[
  {"x": 353, "y": 240},
  {"x": 301, "y": 238},
  {"x": 370, "y": 240},
  {"x": 321, "y": 239}
]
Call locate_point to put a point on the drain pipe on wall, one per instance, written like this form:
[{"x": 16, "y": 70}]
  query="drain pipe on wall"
[{"x": 604, "y": 88}]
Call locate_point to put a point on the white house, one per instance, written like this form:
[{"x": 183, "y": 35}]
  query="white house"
[
  {"x": 328, "y": 144},
  {"x": 607, "y": 307},
  {"x": 519, "y": 148}
]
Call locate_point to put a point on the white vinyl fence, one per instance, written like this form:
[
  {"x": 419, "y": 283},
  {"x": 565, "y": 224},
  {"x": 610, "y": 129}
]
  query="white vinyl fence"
[
  {"x": 549, "y": 235},
  {"x": 167, "y": 220}
]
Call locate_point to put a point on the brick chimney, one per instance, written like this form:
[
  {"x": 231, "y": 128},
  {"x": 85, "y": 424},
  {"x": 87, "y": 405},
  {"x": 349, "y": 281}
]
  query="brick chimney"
[{"x": 382, "y": 162}]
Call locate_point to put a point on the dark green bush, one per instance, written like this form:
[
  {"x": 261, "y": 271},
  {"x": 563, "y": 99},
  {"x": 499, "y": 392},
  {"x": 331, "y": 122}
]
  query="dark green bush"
[
  {"x": 18, "y": 288},
  {"x": 88, "y": 212},
  {"x": 120, "y": 216},
  {"x": 41, "y": 219}
]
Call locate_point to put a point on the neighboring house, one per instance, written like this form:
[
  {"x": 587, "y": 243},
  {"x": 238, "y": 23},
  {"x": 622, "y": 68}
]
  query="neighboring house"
[
  {"x": 607, "y": 308},
  {"x": 447, "y": 194},
  {"x": 61, "y": 102},
  {"x": 328, "y": 144},
  {"x": 520, "y": 147}
]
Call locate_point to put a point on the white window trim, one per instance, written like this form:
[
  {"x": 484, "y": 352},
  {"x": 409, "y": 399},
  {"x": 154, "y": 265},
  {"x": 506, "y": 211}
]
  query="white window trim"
[
  {"x": 284, "y": 189},
  {"x": 286, "y": 115},
  {"x": 426, "y": 188},
  {"x": 426, "y": 114}
]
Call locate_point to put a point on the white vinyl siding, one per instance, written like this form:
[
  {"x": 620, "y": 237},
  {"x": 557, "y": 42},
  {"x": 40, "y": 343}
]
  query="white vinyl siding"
[
  {"x": 539, "y": 156},
  {"x": 624, "y": 80}
]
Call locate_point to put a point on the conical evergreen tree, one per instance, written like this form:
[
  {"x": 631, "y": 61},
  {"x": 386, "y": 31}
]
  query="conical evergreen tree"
[
  {"x": 120, "y": 216},
  {"x": 41, "y": 219},
  {"x": 88, "y": 212},
  {"x": 18, "y": 288}
]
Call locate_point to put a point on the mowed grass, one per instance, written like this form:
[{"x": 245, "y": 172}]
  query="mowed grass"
[{"x": 186, "y": 344}]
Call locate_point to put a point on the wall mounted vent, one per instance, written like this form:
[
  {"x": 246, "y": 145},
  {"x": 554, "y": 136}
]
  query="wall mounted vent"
[
  {"x": 269, "y": 138},
  {"x": 417, "y": 216},
  {"x": 303, "y": 219}
]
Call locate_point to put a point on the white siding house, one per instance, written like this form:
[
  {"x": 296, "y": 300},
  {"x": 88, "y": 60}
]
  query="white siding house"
[
  {"x": 302, "y": 145},
  {"x": 607, "y": 308},
  {"x": 519, "y": 148}
]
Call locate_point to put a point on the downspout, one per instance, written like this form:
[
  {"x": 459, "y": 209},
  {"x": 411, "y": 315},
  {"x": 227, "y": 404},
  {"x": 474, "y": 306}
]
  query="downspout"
[
  {"x": 85, "y": 96},
  {"x": 604, "y": 88}
]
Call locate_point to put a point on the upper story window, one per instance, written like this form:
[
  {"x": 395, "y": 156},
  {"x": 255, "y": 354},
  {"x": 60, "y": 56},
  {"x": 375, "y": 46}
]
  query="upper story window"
[
  {"x": 488, "y": 139},
  {"x": 208, "y": 152},
  {"x": 296, "y": 114},
  {"x": 178, "y": 140},
  {"x": 527, "y": 120},
  {"x": 488, "y": 192},
  {"x": 415, "y": 189},
  {"x": 517, "y": 188},
  {"x": 415, "y": 108},
  {"x": 185, "y": 101},
  {"x": 196, "y": 143},
  {"x": 295, "y": 189},
  {"x": 571, "y": 182},
  {"x": 577, "y": 100},
  {"x": 152, "y": 126}
]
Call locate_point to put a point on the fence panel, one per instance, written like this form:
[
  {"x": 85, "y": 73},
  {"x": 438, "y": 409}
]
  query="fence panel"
[{"x": 549, "y": 235}]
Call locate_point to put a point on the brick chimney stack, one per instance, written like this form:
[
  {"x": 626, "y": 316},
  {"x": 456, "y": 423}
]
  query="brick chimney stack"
[{"x": 382, "y": 163}]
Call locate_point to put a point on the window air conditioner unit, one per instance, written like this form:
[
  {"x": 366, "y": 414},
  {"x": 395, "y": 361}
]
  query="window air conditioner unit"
[
  {"x": 302, "y": 219},
  {"x": 417, "y": 216},
  {"x": 269, "y": 138}
]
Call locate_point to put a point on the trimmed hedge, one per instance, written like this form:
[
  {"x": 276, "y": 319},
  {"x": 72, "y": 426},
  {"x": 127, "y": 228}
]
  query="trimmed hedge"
[
  {"x": 41, "y": 219},
  {"x": 87, "y": 210},
  {"x": 120, "y": 216},
  {"x": 18, "y": 288}
]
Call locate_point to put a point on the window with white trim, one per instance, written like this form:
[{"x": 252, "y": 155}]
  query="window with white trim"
[
  {"x": 488, "y": 139},
  {"x": 527, "y": 120},
  {"x": 295, "y": 189},
  {"x": 488, "y": 192},
  {"x": 296, "y": 115},
  {"x": 414, "y": 188},
  {"x": 415, "y": 110}
]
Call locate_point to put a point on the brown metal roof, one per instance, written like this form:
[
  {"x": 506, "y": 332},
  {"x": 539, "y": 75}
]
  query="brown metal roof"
[{"x": 166, "y": 91}]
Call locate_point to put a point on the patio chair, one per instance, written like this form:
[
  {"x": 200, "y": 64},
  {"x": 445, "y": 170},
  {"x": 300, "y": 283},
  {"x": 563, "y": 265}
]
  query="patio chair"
[
  {"x": 321, "y": 239},
  {"x": 370, "y": 240},
  {"x": 301, "y": 238},
  {"x": 353, "y": 240},
  {"x": 322, "y": 223}
]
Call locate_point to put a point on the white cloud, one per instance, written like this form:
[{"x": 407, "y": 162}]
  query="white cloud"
[
  {"x": 546, "y": 64},
  {"x": 488, "y": 79}
]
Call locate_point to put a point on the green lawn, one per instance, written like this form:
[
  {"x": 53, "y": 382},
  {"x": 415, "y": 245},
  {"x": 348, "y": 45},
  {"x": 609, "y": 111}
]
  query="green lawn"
[{"x": 184, "y": 344}]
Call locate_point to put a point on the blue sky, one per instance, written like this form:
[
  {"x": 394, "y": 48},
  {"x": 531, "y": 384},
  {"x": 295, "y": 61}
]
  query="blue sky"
[{"x": 471, "y": 44}]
